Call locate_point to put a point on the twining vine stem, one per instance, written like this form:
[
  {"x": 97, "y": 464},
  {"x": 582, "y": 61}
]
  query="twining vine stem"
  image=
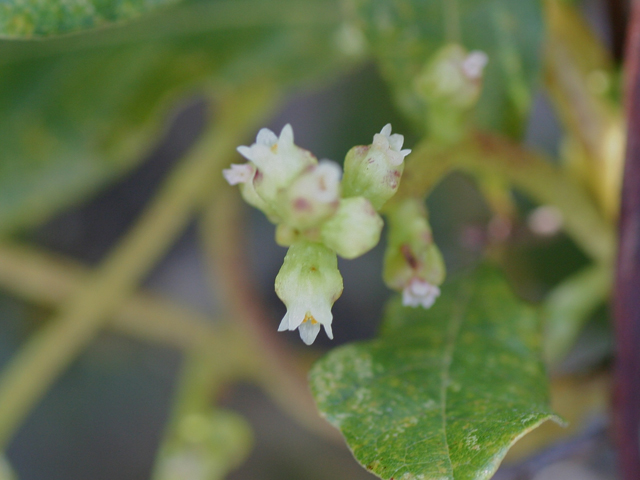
[
  {"x": 627, "y": 290},
  {"x": 47, "y": 353}
]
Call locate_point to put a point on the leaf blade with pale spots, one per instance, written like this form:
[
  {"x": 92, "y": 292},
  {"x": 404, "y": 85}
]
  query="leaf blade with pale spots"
[{"x": 443, "y": 393}]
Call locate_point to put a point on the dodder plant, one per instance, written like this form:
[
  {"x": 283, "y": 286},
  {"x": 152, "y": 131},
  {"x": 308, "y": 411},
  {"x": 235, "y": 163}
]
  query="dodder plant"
[{"x": 456, "y": 375}]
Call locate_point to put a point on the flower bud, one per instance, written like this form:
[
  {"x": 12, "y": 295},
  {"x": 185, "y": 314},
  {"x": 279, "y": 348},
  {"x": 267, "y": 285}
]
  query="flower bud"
[
  {"x": 453, "y": 76},
  {"x": 309, "y": 283},
  {"x": 354, "y": 229},
  {"x": 450, "y": 84},
  {"x": 413, "y": 264},
  {"x": 374, "y": 171},
  {"x": 312, "y": 197},
  {"x": 277, "y": 160}
]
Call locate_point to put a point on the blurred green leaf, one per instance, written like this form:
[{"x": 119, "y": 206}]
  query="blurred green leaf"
[
  {"x": 40, "y": 18},
  {"x": 443, "y": 393},
  {"x": 405, "y": 33},
  {"x": 77, "y": 111}
]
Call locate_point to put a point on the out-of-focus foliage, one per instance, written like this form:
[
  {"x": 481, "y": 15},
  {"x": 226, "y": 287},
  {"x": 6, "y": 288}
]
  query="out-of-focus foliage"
[
  {"x": 441, "y": 393},
  {"x": 79, "y": 110},
  {"x": 40, "y": 18},
  {"x": 405, "y": 33}
]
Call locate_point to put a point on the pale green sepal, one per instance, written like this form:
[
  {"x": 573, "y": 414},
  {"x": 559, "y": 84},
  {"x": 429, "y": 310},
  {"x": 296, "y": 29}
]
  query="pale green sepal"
[{"x": 354, "y": 229}]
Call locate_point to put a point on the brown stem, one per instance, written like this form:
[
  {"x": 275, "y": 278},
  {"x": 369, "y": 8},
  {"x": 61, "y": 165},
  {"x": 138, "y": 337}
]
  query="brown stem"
[{"x": 627, "y": 292}]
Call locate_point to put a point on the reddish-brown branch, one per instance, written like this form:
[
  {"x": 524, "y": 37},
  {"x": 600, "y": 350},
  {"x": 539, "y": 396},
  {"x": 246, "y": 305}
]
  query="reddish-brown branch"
[
  {"x": 618, "y": 12},
  {"x": 627, "y": 291}
]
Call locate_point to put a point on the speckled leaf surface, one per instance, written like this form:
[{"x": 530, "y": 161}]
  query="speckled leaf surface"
[
  {"x": 442, "y": 393},
  {"x": 41, "y": 18},
  {"x": 77, "y": 111},
  {"x": 404, "y": 33}
]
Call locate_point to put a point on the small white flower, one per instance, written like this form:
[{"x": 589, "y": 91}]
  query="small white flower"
[
  {"x": 418, "y": 292},
  {"x": 278, "y": 159},
  {"x": 309, "y": 283},
  {"x": 239, "y": 173},
  {"x": 473, "y": 65},
  {"x": 390, "y": 145}
]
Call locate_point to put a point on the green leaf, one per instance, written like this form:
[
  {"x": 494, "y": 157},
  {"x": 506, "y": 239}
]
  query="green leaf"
[
  {"x": 77, "y": 111},
  {"x": 443, "y": 393},
  {"x": 405, "y": 33},
  {"x": 40, "y": 18}
]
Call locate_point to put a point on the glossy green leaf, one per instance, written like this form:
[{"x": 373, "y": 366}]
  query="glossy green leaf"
[
  {"x": 442, "y": 393},
  {"x": 405, "y": 33},
  {"x": 40, "y": 18},
  {"x": 79, "y": 110}
]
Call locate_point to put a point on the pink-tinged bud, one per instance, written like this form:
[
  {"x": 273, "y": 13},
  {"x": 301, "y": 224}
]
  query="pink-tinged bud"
[
  {"x": 312, "y": 197},
  {"x": 413, "y": 263},
  {"x": 453, "y": 77}
]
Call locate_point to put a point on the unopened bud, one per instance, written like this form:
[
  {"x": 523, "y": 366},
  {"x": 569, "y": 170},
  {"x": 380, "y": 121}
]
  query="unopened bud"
[
  {"x": 453, "y": 76},
  {"x": 309, "y": 283},
  {"x": 312, "y": 197},
  {"x": 413, "y": 263},
  {"x": 354, "y": 229},
  {"x": 374, "y": 171}
]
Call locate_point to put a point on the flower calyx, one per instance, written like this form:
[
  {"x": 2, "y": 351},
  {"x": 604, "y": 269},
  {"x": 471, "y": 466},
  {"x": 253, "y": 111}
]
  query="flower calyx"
[{"x": 374, "y": 171}]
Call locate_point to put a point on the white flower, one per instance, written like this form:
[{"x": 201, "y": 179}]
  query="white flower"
[
  {"x": 239, "y": 173},
  {"x": 390, "y": 145},
  {"x": 418, "y": 292},
  {"x": 277, "y": 159},
  {"x": 309, "y": 283}
]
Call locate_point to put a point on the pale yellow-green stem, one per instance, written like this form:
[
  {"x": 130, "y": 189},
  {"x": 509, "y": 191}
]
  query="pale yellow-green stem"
[
  {"x": 482, "y": 153},
  {"x": 49, "y": 280},
  {"x": 48, "y": 352}
]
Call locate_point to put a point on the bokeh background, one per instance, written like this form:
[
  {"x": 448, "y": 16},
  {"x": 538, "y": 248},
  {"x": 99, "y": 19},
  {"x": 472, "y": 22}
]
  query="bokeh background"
[{"x": 104, "y": 418}]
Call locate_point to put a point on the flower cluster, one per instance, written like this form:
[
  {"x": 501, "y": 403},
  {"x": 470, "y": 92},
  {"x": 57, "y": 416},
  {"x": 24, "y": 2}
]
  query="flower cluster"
[{"x": 318, "y": 214}]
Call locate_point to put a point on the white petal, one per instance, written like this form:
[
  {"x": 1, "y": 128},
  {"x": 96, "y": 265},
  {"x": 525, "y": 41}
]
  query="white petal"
[
  {"x": 328, "y": 330},
  {"x": 246, "y": 152},
  {"x": 284, "y": 324},
  {"x": 266, "y": 137},
  {"x": 386, "y": 130},
  {"x": 309, "y": 331},
  {"x": 405, "y": 152},
  {"x": 395, "y": 141},
  {"x": 381, "y": 142},
  {"x": 286, "y": 135},
  {"x": 238, "y": 173}
]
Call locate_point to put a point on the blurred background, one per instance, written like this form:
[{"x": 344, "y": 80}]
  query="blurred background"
[{"x": 105, "y": 417}]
